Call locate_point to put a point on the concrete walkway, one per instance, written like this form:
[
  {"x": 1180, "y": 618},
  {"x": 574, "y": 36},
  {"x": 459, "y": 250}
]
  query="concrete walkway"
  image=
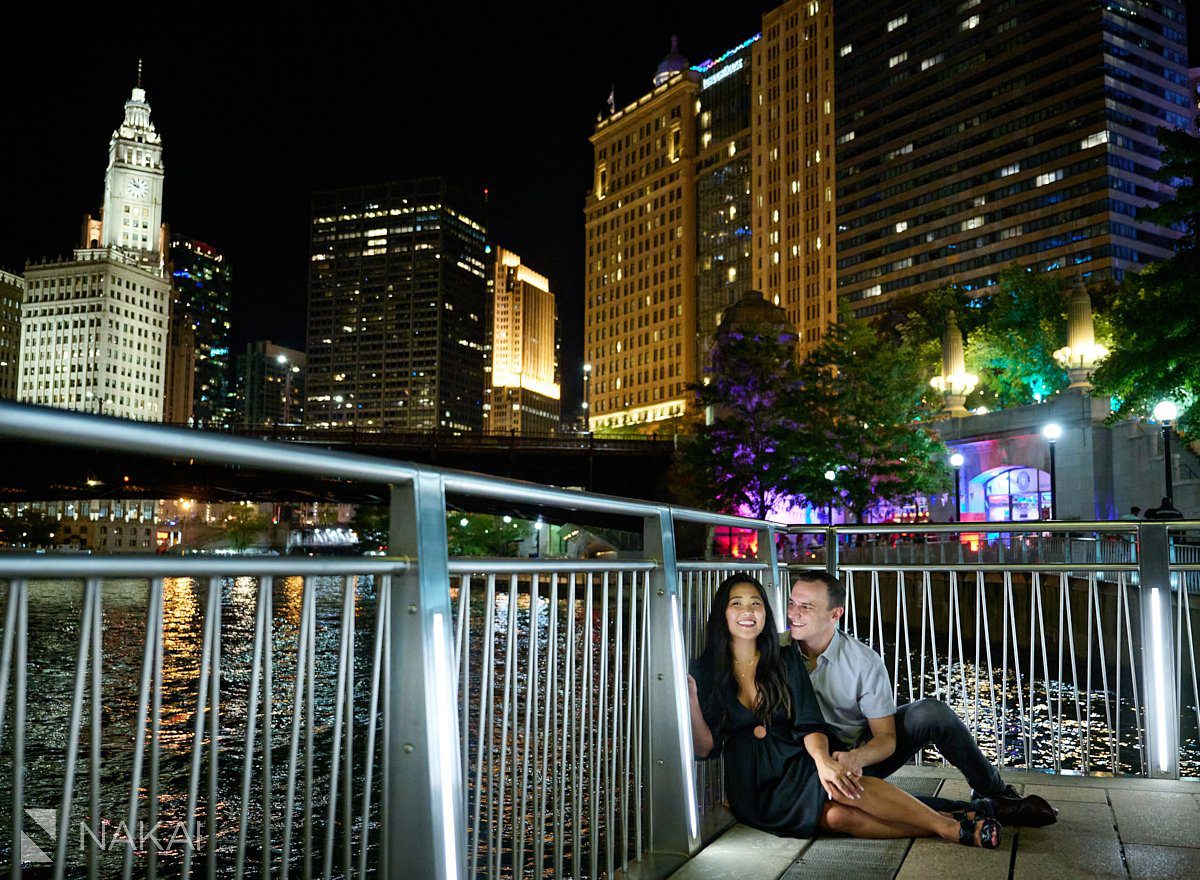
[{"x": 1107, "y": 828}]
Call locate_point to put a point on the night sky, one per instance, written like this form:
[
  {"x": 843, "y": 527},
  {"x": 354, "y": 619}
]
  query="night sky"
[{"x": 254, "y": 118}]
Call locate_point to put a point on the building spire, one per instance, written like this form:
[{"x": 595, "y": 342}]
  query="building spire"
[{"x": 139, "y": 76}]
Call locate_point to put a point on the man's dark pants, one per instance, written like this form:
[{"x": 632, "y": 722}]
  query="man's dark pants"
[{"x": 932, "y": 722}]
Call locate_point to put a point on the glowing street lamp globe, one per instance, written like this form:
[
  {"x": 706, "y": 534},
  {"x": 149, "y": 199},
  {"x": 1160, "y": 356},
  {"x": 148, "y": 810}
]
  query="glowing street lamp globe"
[
  {"x": 956, "y": 460},
  {"x": 1166, "y": 411},
  {"x": 1052, "y": 431}
]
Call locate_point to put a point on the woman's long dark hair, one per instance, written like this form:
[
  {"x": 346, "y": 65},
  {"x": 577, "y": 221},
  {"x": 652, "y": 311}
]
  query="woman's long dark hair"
[{"x": 769, "y": 676}]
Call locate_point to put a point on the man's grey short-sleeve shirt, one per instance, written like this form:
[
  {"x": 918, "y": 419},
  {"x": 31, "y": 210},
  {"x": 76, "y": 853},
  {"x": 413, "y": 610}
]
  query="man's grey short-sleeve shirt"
[{"x": 852, "y": 685}]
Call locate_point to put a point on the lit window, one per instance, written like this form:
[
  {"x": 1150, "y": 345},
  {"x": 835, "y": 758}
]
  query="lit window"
[
  {"x": 1049, "y": 177},
  {"x": 897, "y": 22},
  {"x": 846, "y": 138},
  {"x": 873, "y": 290},
  {"x": 1092, "y": 140},
  {"x": 846, "y": 50},
  {"x": 896, "y": 59},
  {"x": 970, "y": 23},
  {"x": 902, "y": 225},
  {"x": 935, "y": 59},
  {"x": 1010, "y": 169},
  {"x": 971, "y": 223}
]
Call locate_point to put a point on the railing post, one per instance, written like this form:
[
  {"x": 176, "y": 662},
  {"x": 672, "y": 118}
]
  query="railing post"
[
  {"x": 769, "y": 554},
  {"x": 424, "y": 793},
  {"x": 831, "y": 551},
  {"x": 1158, "y": 667},
  {"x": 674, "y": 817}
]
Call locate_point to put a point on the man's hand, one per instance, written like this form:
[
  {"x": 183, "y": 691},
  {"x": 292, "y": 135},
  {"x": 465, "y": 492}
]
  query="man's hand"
[
  {"x": 836, "y": 779},
  {"x": 851, "y": 762}
]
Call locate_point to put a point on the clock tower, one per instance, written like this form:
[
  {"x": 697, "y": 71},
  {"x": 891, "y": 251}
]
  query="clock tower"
[{"x": 131, "y": 216}]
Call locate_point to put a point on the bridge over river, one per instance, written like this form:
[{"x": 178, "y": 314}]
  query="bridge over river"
[{"x": 417, "y": 715}]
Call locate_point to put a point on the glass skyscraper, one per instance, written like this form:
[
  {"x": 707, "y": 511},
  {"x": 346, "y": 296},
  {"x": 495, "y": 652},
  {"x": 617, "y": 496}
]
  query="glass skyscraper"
[
  {"x": 396, "y": 305},
  {"x": 977, "y": 133},
  {"x": 202, "y": 290}
]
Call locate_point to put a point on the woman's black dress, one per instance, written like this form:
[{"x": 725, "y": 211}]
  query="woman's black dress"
[{"x": 771, "y": 783}]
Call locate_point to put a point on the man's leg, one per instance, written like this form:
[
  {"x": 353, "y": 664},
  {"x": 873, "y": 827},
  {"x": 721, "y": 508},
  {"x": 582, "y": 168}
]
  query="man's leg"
[{"x": 932, "y": 721}]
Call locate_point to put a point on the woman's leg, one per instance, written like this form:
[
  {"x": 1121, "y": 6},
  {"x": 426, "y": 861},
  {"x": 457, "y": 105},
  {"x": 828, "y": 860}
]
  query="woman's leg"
[
  {"x": 853, "y": 821},
  {"x": 892, "y": 806}
]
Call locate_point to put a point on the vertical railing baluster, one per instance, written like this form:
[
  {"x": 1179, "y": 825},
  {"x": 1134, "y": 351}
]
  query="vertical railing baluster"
[
  {"x": 345, "y": 663},
  {"x": 20, "y": 675},
  {"x": 268, "y": 722},
  {"x": 87, "y": 620},
  {"x": 153, "y": 628},
  {"x": 204, "y": 679},
  {"x": 260, "y": 625},
  {"x": 377, "y": 663},
  {"x": 306, "y": 622},
  {"x": 487, "y": 694},
  {"x": 97, "y": 667},
  {"x": 155, "y": 739}
]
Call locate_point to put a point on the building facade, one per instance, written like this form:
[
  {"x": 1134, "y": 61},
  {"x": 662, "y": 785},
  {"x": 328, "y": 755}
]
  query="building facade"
[
  {"x": 978, "y": 133},
  {"x": 522, "y": 390},
  {"x": 273, "y": 384},
  {"x": 396, "y": 304},
  {"x": 723, "y": 184},
  {"x": 94, "y": 328},
  {"x": 640, "y": 313},
  {"x": 795, "y": 246},
  {"x": 12, "y": 293},
  {"x": 201, "y": 299}
]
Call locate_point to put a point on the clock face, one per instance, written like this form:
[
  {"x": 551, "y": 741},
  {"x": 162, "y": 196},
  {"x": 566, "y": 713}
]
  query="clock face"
[{"x": 137, "y": 188}]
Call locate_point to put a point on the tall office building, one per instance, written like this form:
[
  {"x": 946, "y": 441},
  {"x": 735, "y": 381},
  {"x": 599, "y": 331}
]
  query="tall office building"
[
  {"x": 202, "y": 298},
  {"x": 396, "y": 303},
  {"x": 12, "y": 292},
  {"x": 522, "y": 391},
  {"x": 94, "y": 328},
  {"x": 641, "y": 255},
  {"x": 977, "y": 133},
  {"x": 723, "y": 184},
  {"x": 272, "y": 384},
  {"x": 793, "y": 114}
]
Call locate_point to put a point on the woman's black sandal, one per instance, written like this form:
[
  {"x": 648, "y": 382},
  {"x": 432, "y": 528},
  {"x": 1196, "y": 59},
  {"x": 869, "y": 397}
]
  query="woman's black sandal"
[{"x": 989, "y": 833}]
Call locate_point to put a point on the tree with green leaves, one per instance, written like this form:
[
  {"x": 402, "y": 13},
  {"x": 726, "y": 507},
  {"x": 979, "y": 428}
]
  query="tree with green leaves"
[
  {"x": 747, "y": 458},
  {"x": 861, "y": 400},
  {"x": 1155, "y": 325},
  {"x": 243, "y": 524}
]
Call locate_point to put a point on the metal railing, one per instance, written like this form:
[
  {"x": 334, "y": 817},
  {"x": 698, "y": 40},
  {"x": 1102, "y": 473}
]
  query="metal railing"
[{"x": 416, "y": 715}]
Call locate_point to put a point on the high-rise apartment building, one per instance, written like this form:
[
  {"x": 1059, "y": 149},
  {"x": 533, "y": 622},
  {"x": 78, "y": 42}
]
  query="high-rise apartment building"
[
  {"x": 202, "y": 297},
  {"x": 273, "y": 384},
  {"x": 396, "y": 303},
  {"x": 94, "y": 328},
  {"x": 12, "y": 292},
  {"x": 972, "y": 134},
  {"x": 723, "y": 183},
  {"x": 641, "y": 255},
  {"x": 793, "y": 130},
  {"x": 522, "y": 390}
]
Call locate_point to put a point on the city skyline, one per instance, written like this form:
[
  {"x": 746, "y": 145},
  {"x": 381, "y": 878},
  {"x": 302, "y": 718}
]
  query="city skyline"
[{"x": 255, "y": 124}]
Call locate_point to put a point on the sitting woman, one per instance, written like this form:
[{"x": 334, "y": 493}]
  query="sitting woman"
[{"x": 751, "y": 700}]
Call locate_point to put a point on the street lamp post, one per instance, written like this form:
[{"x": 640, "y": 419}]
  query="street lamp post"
[
  {"x": 587, "y": 384},
  {"x": 1052, "y": 432},
  {"x": 830, "y": 475},
  {"x": 1166, "y": 412},
  {"x": 956, "y": 462}
]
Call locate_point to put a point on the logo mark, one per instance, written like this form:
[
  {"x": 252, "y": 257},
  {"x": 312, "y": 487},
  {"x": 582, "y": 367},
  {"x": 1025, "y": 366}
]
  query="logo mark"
[{"x": 47, "y": 820}]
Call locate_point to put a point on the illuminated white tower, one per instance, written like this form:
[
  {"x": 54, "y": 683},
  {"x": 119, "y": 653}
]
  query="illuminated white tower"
[{"x": 94, "y": 327}]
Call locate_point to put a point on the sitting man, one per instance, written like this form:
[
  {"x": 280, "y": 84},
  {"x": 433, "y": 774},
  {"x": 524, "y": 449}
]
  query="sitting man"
[{"x": 855, "y": 695}]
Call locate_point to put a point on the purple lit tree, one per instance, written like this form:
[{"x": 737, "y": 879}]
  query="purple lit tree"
[{"x": 745, "y": 459}]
